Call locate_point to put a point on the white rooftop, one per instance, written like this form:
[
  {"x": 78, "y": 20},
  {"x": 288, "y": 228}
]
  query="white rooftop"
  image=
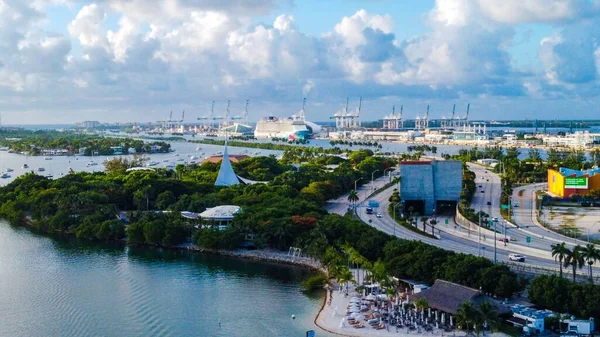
[{"x": 221, "y": 213}]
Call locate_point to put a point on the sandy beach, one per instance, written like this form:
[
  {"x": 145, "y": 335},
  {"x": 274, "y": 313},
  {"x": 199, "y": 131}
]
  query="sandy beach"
[{"x": 334, "y": 310}]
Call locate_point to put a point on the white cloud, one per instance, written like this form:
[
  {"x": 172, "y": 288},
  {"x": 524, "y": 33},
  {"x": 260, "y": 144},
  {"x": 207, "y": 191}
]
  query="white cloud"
[
  {"x": 87, "y": 26},
  {"x": 535, "y": 11}
]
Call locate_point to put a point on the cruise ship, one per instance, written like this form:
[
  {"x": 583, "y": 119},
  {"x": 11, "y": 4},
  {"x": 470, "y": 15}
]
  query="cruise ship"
[
  {"x": 288, "y": 128},
  {"x": 294, "y": 127}
]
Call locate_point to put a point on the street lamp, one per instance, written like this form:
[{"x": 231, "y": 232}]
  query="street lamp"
[
  {"x": 372, "y": 176},
  {"x": 356, "y": 182},
  {"x": 391, "y": 168},
  {"x": 354, "y": 202},
  {"x": 394, "y": 216}
]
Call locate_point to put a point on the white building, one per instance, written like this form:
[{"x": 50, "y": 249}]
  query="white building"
[
  {"x": 575, "y": 140},
  {"x": 221, "y": 216}
]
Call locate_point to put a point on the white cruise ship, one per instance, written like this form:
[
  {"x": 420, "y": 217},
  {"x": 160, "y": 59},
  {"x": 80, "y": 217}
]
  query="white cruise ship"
[
  {"x": 288, "y": 128},
  {"x": 295, "y": 127}
]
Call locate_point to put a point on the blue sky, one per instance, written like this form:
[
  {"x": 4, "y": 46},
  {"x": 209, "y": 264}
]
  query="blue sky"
[{"x": 122, "y": 60}]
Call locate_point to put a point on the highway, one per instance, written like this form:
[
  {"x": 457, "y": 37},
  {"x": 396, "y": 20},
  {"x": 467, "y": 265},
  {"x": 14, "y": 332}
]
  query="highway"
[{"x": 456, "y": 238}]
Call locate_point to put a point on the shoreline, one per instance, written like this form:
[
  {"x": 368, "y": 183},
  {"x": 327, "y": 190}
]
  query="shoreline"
[{"x": 261, "y": 255}]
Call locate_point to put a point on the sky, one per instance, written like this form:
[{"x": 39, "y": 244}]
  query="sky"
[{"x": 65, "y": 61}]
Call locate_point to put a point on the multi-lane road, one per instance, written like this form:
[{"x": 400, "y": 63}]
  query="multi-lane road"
[{"x": 453, "y": 237}]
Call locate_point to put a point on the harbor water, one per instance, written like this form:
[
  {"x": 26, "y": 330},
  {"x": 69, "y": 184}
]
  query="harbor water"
[{"x": 64, "y": 287}]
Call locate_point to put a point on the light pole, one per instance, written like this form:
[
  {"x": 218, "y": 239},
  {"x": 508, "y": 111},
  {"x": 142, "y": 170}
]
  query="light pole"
[
  {"x": 394, "y": 216},
  {"x": 372, "y": 178},
  {"x": 354, "y": 202},
  {"x": 391, "y": 168},
  {"x": 495, "y": 242},
  {"x": 356, "y": 182}
]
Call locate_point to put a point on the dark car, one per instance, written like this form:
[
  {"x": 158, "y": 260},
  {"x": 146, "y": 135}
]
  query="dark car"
[{"x": 489, "y": 203}]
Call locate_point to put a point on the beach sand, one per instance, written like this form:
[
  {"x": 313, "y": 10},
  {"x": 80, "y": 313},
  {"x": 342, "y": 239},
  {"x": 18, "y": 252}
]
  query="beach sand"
[{"x": 330, "y": 317}]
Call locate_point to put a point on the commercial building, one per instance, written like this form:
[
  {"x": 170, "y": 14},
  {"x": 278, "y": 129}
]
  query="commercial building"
[
  {"x": 565, "y": 181},
  {"x": 573, "y": 140},
  {"x": 428, "y": 187}
]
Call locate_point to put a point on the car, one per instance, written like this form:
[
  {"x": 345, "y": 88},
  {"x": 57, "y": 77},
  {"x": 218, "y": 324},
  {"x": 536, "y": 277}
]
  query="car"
[
  {"x": 480, "y": 186},
  {"x": 489, "y": 203},
  {"x": 379, "y": 215},
  {"x": 515, "y": 205},
  {"x": 487, "y": 180},
  {"x": 516, "y": 257},
  {"x": 482, "y": 191},
  {"x": 503, "y": 240},
  {"x": 495, "y": 219}
]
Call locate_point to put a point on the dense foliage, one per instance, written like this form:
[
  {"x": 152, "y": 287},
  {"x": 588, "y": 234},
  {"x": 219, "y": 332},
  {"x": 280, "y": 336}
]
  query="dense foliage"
[
  {"x": 36, "y": 142},
  {"x": 564, "y": 296}
]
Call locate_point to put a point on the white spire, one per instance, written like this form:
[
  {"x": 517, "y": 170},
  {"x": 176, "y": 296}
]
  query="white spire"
[{"x": 227, "y": 176}]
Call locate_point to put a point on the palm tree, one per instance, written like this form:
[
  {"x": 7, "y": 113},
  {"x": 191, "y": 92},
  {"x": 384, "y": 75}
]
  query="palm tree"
[
  {"x": 465, "y": 316},
  {"x": 421, "y": 303},
  {"x": 575, "y": 260},
  {"x": 353, "y": 198},
  {"x": 560, "y": 252},
  {"x": 590, "y": 254},
  {"x": 424, "y": 221},
  {"x": 345, "y": 276},
  {"x": 488, "y": 315}
]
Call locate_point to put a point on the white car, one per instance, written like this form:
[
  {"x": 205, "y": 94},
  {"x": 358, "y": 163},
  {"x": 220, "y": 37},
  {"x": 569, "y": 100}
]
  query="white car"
[
  {"x": 516, "y": 257},
  {"x": 379, "y": 215}
]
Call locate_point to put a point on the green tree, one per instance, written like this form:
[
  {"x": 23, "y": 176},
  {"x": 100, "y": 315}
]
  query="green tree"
[
  {"x": 560, "y": 253},
  {"x": 353, "y": 198},
  {"x": 165, "y": 199},
  {"x": 465, "y": 316},
  {"x": 574, "y": 259},
  {"x": 590, "y": 254}
]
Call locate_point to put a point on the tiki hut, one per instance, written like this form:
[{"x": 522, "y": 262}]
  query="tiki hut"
[{"x": 447, "y": 297}]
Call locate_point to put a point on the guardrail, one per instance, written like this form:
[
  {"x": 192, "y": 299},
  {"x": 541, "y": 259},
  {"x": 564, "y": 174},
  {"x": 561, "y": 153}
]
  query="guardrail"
[{"x": 523, "y": 268}]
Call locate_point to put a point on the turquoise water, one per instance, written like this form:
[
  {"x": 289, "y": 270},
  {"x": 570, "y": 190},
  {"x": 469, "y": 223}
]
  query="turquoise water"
[{"x": 64, "y": 287}]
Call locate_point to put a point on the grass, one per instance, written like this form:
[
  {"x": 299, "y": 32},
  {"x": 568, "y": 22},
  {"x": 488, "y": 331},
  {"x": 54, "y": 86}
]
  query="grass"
[{"x": 408, "y": 226}]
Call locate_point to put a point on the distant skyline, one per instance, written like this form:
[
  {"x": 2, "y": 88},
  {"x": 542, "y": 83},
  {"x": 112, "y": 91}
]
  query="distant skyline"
[{"x": 65, "y": 61}]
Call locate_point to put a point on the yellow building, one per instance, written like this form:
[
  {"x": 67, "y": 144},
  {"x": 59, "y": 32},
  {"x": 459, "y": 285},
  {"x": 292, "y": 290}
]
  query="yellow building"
[{"x": 566, "y": 182}]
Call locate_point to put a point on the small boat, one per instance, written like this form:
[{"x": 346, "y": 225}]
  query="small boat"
[
  {"x": 5, "y": 175},
  {"x": 198, "y": 148},
  {"x": 176, "y": 154},
  {"x": 48, "y": 158},
  {"x": 180, "y": 159},
  {"x": 9, "y": 170},
  {"x": 25, "y": 166},
  {"x": 41, "y": 169},
  {"x": 165, "y": 160},
  {"x": 49, "y": 175},
  {"x": 92, "y": 163},
  {"x": 152, "y": 163}
]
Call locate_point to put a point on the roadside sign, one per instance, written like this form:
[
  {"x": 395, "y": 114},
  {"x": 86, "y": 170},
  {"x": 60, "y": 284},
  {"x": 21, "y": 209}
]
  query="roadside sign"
[
  {"x": 310, "y": 333},
  {"x": 529, "y": 239},
  {"x": 503, "y": 206},
  {"x": 576, "y": 182}
]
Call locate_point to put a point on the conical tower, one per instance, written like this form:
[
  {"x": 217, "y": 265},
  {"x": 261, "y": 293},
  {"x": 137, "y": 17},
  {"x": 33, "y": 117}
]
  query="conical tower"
[{"x": 227, "y": 176}]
